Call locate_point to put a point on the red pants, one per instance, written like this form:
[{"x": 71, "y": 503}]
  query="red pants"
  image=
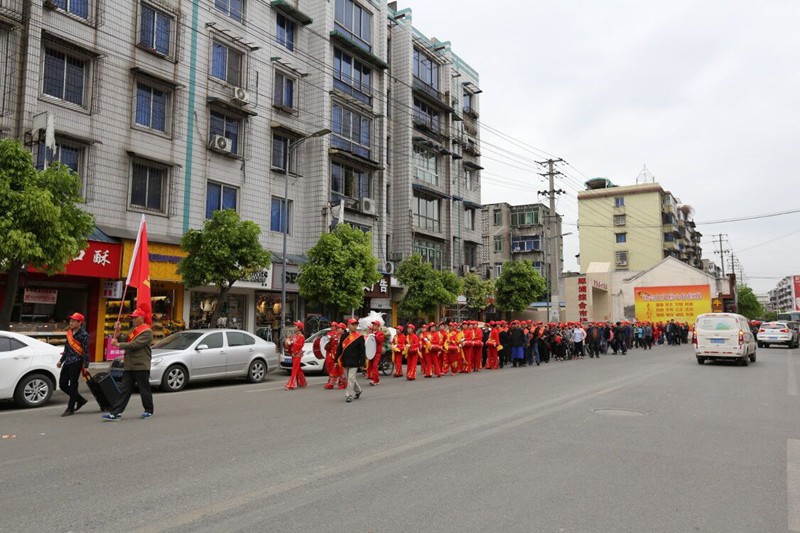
[
  {"x": 466, "y": 360},
  {"x": 492, "y": 361},
  {"x": 477, "y": 356},
  {"x": 411, "y": 370},
  {"x": 297, "y": 379},
  {"x": 397, "y": 359},
  {"x": 453, "y": 363},
  {"x": 372, "y": 371}
]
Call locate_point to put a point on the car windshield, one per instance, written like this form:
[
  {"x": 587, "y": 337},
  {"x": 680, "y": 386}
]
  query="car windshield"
[
  {"x": 717, "y": 323},
  {"x": 178, "y": 341},
  {"x": 320, "y": 333}
]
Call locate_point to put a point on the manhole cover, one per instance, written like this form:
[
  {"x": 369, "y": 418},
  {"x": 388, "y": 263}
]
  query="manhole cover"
[{"x": 619, "y": 412}]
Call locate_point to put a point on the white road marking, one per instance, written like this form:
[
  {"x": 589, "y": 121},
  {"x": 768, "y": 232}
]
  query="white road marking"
[
  {"x": 791, "y": 378},
  {"x": 793, "y": 483}
]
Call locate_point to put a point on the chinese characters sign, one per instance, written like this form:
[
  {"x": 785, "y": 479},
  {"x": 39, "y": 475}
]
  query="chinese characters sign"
[
  {"x": 681, "y": 302},
  {"x": 98, "y": 260},
  {"x": 583, "y": 292}
]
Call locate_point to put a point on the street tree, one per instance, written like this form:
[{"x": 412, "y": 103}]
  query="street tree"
[
  {"x": 426, "y": 288},
  {"x": 339, "y": 266},
  {"x": 225, "y": 251},
  {"x": 748, "y": 305},
  {"x": 477, "y": 292},
  {"x": 518, "y": 285},
  {"x": 41, "y": 223}
]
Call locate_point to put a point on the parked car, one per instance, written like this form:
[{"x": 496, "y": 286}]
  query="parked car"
[
  {"x": 723, "y": 336},
  {"x": 778, "y": 333},
  {"x": 309, "y": 362},
  {"x": 28, "y": 371},
  {"x": 205, "y": 354}
]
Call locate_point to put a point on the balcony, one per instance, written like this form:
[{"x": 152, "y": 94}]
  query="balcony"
[
  {"x": 423, "y": 89},
  {"x": 470, "y": 112}
]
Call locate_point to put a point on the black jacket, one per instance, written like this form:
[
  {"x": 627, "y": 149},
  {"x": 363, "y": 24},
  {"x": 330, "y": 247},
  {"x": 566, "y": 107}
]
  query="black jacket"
[
  {"x": 355, "y": 354},
  {"x": 517, "y": 338}
]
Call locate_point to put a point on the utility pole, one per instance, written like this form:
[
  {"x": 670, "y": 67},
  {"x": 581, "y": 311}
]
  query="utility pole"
[
  {"x": 554, "y": 307},
  {"x": 721, "y": 252}
]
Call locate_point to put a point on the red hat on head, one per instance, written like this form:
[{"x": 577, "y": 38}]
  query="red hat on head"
[
  {"x": 400, "y": 329},
  {"x": 139, "y": 313},
  {"x": 298, "y": 324},
  {"x": 76, "y": 316},
  {"x": 376, "y": 322},
  {"x": 352, "y": 321},
  {"x": 411, "y": 327}
]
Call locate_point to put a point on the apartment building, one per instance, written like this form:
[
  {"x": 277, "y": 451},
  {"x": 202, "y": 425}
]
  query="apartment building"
[
  {"x": 785, "y": 296},
  {"x": 634, "y": 227}
]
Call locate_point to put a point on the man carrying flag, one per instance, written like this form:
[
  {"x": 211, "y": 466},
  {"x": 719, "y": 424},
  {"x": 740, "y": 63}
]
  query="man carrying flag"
[{"x": 137, "y": 366}]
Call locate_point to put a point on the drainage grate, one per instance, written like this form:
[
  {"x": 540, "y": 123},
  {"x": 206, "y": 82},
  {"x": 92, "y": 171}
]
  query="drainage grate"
[{"x": 619, "y": 412}]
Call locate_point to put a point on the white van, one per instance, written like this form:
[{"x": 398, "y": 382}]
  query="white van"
[{"x": 723, "y": 336}]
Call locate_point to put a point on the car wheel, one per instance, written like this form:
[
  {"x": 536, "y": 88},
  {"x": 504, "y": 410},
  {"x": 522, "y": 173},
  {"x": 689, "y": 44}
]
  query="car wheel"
[
  {"x": 175, "y": 378},
  {"x": 701, "y": 360},
  {"x": 33, "y": 390},
  {"x": 257, "y": 371},
  {"x": 744, "y": 361},
  {"x": 753, "y": 357}
]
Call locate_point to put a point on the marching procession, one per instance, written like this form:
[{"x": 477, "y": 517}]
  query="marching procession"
[{"x": 452, "y": 348}]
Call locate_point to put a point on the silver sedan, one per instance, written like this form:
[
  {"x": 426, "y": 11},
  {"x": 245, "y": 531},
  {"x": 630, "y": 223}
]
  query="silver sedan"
[{"x": 206, "y": 354}]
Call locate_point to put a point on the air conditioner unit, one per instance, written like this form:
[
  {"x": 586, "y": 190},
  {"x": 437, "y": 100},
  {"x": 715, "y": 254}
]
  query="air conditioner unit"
[
  {"x": 368, "y": 206},
  {"x": 622, "y": 263},
  {"x": 240, "y": 96},
  {"x": 388, "y": 267},
  {"x": 221, "y": 144}
]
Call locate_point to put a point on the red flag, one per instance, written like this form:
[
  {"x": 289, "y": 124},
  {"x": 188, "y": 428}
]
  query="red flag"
[{"x": 139, "y": 272}]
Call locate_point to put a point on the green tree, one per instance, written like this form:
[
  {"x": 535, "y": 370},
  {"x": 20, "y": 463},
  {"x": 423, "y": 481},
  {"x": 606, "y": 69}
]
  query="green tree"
[
  {"x": 477, "y": 292},
  {"x": 518, "y": 285},
  {"x": 40, "y": 221},
  {"x": 748, "y": 304},
  {"x": 426, "y": 288},
  {"x": 339, "y": 266},
  {"x": 223, "y": 252}
]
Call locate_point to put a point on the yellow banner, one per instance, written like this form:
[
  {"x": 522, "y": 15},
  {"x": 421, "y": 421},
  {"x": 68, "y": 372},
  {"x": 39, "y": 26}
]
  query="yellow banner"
[
  {"x": 164, "y": 259},
  {"x": 680, "y": 302}
]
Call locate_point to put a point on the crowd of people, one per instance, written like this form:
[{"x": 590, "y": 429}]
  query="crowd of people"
[{"x": 470, "y": 346}]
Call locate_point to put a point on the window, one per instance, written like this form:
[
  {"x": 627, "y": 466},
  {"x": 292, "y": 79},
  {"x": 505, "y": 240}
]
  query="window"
[
  {"x": 469, "y": 179},
  {"x": 539, "y": 266},
  {"x": 469, "y": 218},
  {"x": 278, "y": 219},
  {"x": 498, "y": 269},
  {"x": 430, "y": 251},
  {"x": 352, "y": 77},
  {"x": 426, "y": 212},
  {"x": 280, "y": 146},
  {"x": 621, "y": 237},
  {"x": 669, "y": 237},
  {"x": 619, "y": 201},
  {"x": 8, "y": 344},
  {"x": 355, "y": 22},
  {"x": 470, "y": 255},
  {"x": 79, "y": 8},
  {"x": 148, "y": 186},
  {"x": 284, "y": 32},
  {"x": 214, "y": 340},
  {"x": 621, "y": 258},
  {"x": 220, "y": 196},
  {"x": 498, "y": 217},
  {"x": 283, "y": 91},
  {"x": 525, "y": 217},
  {"x": 425, "y": 115},
  {"x": 619, "y": 220},
  {"x": 349, "y": 181},
  {"x": 226, "y": 63},
  {"x": 426, "y": 164},
  {"x": 425, "y": 70},
  {"x": 65, "y": 76},
  {"x": 232, "y": 8},
  {"x": 468, "y": 98},
  {"x": 530, "y": 243},
  {"x": 351, "y": 131},
  {"x": 226, "y": 126},
  {"x": 68, "y": 153},
  {"x": 152, "y": 107},
  {"x": 155, "y": 30},
  {"x": 498, "y": 243}
]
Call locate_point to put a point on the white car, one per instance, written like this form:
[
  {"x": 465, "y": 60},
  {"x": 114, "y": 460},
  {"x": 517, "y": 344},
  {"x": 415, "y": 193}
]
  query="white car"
[
  {"x": 309, "y": 362},
  {"x": 28, "y": 372},
  {"x": 777, "y": 333},
  {"x": 723, "y": 336}
]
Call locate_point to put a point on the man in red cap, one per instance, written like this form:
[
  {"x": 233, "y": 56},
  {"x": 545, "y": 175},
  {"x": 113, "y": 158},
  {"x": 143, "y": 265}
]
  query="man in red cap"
[
  {"x": 469, "y": 339},
  {"x": 399, "y": 344},
  {"x": 294, "y": 346},
  {"x": 353, "y": 355},
  {"x": 331, "y": 365},
  {"x": 74, "y": 358},
  {"x": 492, "y": 345},
  {"x": 373, "y": 374},
  {"x": 413, "y": 353},
  {"x": 136, "y": 369}
]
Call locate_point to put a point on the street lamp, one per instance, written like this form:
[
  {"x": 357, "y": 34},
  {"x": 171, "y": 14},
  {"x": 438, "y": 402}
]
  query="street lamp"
[{"x": 290, "y": 147}]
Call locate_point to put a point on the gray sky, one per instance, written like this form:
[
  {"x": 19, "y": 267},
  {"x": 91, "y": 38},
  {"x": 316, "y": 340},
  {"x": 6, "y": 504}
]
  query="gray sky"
[{"x": 706, "y": 94}]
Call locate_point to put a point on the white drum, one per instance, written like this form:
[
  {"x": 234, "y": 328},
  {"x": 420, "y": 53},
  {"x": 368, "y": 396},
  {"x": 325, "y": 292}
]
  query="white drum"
[{"x": 371, "y": 346}]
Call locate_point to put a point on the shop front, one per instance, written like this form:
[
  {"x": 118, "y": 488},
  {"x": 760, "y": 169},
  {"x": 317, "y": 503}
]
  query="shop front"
[{"x": 240, "y": 309}]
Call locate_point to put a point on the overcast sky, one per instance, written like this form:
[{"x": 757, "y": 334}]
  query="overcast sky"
[{"x": 706, "y": 94}]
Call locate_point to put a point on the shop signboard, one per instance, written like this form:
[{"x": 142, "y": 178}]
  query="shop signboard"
[
  {"x": 680, "y": 302},
  {"x": 40, "y": 296},
  {"x": 381, "y": 289},
  {"x": 292, "y": 273},
  {"x": 112, "y": 289},
  {"x": 98, "y": 260}
]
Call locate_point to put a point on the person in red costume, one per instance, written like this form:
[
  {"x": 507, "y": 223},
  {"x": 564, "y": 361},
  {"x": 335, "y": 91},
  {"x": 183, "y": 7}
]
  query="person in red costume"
[
  {"x": 372, "y": 366},
  {"x": 294, "y": 347},
  {"x": 331, "y": 365},
  {"x": 425, "y": 350},
  {"x": 455, "y": 340},
  {"x": 469, "y": 340},
  {"x": 477, "y": 347},
  {"x": 492, "y": 345},
  {"x": 413, "y": 353},
  {"x": 398, "y": 351},
  {"x": 435, "y": 351}
]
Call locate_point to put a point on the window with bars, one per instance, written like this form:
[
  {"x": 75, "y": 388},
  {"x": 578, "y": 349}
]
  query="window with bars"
[
  {"x": 155, "y": 30},
  {"x": 79, "y": 8},
  {"x": 619, "y": 220},
  {"x": 231, "y": 8},
  {"x": 426, "y": 211},
  {"x": 284, "y": 32},
  {"x": 226, "y": 126},
  {"x": 148, "y": 186},
  {"x": 69, "y": 153},
  {"x": 430, "y": 251},
  {"x": 621, "y": 238},
  {"x": 349, "y": 181},
  {"x": 352, "y": 77},
  {"x": 352, "y": 131},
  {"x": 152, "y": 107},
  {"x": 226, "y": 63},
  {"x": 280, "y": 147},
  {"x": 65, "y": 76},
  {"x": 283, "y": 92}
]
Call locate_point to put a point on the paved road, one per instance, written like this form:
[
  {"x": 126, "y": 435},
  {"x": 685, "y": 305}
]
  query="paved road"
[{"x": 650, "y": 441}]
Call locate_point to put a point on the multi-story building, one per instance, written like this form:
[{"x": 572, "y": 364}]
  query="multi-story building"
[
  {"x": 634, "y": 227},
  {"x": 176, "y": 108},
  {"x": 785, "y": 296}
]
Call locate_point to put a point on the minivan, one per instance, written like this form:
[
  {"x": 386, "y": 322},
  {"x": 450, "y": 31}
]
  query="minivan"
[{"x": 723, "y": 336}]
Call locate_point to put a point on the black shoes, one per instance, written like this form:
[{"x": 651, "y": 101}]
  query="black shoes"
[
  {"x": 81, "y": 403},
  {"x": 68, "y": 412},
  {"x": 358, "y": 394}
]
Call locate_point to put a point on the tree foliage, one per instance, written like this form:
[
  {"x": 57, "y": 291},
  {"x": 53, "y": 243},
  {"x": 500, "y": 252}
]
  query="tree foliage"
[
  {"x": 518, "y": 285},
  {"x": 748, "y": 305},
  {"x": 339, "y": 266},
  {"x": 40, "y": 221},
  {"x": 224, "y": 251},
  {"x": 477, "y": 292},
  {"x": 426, "y": 288}
]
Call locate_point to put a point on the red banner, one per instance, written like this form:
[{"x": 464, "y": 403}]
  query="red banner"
[
  {"x": 139, "y": 273},
  {"x": 98, "y": 260}
]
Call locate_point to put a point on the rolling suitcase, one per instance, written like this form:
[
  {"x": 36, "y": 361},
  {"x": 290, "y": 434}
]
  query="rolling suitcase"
[{"x": 103, "y": 388}]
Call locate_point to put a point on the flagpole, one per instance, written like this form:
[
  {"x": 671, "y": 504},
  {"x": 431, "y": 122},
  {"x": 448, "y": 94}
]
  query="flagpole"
[{"x": 130, "y": 272}]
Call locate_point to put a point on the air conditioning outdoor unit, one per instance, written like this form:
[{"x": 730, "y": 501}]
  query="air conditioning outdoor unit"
[
  {"x": 240, "y": 96},
  {"x": 221, "y": 144},
  {"x": 368, "y": 206},
  {"x": 622, "y": 263}
]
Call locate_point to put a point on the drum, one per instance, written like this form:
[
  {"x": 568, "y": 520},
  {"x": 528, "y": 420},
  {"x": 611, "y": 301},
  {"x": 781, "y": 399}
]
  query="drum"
[
  {"x": 317, "y": 348},
  {"x": 371, "y": 347}
]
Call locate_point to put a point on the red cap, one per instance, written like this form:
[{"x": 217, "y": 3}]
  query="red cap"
[
  {"x": 76, "y": 316},
  {"x": 411, "y": 327},
  {"x": 352, "y": 321},
  {"x": 298, "y": 324},
  {"x": 376, "y": 322},
  {"x": 139, "y": 313}
]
